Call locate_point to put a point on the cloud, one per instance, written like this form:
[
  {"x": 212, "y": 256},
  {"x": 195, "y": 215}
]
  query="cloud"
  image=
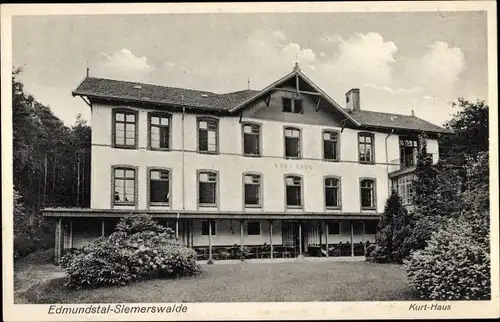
[
  {"x": 293, "y": 51},
  {"x": 332, "y": 40},
  {"x": 362, "y": 57},
  {"x": 439, "y": 68},
  {"x": 124, "y": 65},
  {"x": 400, "y": 91}
]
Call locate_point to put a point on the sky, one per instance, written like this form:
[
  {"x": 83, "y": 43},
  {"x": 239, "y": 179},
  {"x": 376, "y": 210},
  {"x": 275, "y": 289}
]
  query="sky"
[{"x": 400, "y": 61}]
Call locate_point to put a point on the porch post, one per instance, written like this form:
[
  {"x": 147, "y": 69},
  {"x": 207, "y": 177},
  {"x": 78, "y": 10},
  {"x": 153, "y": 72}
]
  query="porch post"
[
  {"x": 210, "y": 239},
  {"x": 352, "y": 245},
  {"x": 364, "y": 241},
  {"x": 58, "y": 240},
  {"x": 300, "y": 238},
  {"x": 102, "y": 228},
  {"x": 271, "y": 237},
  {"x": 241, "y": 238},
  {"x": 326, "y": 237},
  {"x": 191, "y": 231},
  {"x": 177, "y": 227},
  {"x": 70, "y": 235}
]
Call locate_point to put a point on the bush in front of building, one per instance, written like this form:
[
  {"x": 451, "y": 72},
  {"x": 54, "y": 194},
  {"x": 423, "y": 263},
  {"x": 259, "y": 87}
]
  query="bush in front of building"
[
  {"x": 139, "y": 249},
  {"x": 455, "y": 265}
]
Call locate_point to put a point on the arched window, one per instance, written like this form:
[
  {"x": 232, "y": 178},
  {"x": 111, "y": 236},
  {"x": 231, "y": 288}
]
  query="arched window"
[
  {"x": 124, "y": 129},
  {"x": 251, "y": 139},
  {"x": 331, "y": 145},
  {"x": 252, "y": 190},
  {"x": 159, "y": 131},
  {"x": 332, "y": 192},
  {"x": 293, "y": 191},
  {"x": 124, "y": 186},
  {"x": 208, "y": 135},
  {"x": 207, "y": 188},
  {"x": 367, "y": 194},
  {"x": 292, "y": 142},
  {"x": 366, "y": 147},
  {"x": 159, "y": 187}
]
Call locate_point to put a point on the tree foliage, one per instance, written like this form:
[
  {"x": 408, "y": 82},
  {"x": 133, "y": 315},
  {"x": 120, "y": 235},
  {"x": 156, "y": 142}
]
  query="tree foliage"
[
  {"x": 388, "y": 237},
  {"x": 51, "y": 164},
  {"x": 456, "y": 263}
]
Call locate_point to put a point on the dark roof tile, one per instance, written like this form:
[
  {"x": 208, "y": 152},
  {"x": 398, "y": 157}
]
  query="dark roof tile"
[
  {"x": 122, "y": 90},
  {"x": 390, "y": 120}
]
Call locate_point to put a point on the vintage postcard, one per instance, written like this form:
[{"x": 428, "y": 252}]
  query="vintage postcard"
[{"x": 263, "y": 161}]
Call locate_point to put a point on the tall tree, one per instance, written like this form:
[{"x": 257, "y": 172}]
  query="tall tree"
[
  {"x": 470, "y": 131},
  {"x": 45, "y": 154},
  {"x": 389, "y": 226}
]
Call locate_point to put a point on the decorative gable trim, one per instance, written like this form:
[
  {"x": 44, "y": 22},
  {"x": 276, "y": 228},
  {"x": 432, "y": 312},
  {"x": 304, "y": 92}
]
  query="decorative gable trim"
[{"x": 297, "y": 74}]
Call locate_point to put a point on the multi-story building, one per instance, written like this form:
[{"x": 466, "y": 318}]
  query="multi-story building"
[{"x": 286, "y": 166}]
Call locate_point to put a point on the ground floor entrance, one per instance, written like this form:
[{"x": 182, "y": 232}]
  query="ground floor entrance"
[{"x": 220, "y": 239}]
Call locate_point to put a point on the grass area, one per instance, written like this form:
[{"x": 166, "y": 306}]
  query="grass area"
[
  {"x": 256, "y": 282},
  {"x": 27, "y": 273}
]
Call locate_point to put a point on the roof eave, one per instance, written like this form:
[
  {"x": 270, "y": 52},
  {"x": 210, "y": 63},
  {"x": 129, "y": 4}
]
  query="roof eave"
[
  {"x": 112, "y": 98},
  {"x": 444, "y": 131}
]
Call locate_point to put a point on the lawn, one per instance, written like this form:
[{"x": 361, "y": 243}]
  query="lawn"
[{"x": 256, "y": 282}]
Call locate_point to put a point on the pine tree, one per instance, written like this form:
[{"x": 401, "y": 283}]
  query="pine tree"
[
  {"x": 426, "y": 217},
  {"x": 390, "y": 224},
  {"x": 425, "y": 181}
]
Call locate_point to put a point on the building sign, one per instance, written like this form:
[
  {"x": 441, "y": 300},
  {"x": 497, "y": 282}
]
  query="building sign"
[{"x": 296, "y": 166}]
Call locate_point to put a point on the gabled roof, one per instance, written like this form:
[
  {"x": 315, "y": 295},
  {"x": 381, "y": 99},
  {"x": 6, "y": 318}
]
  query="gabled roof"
[
  {"x": 285, "y": 78},
  {"x": 395, "y": 121},
  {"x": 103, "y": 88},
  {"x": 139, "y": 92}
]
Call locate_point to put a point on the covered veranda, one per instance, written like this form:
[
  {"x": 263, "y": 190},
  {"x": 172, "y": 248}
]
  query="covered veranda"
[{"x": 284, "y": 235}]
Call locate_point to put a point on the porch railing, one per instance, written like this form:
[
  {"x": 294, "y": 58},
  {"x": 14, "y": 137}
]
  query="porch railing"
[{"x": 408, "y": 161}]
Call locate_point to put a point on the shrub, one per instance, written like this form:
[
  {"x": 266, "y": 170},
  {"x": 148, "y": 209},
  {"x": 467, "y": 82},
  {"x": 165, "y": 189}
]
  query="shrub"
[
  {"x": 32, "y": 232},
  {"x": 454, "y": 266},
  {"x": 380, "y": 254},
  {"x": 368, "y": 251},
  {"x": 137, "y": 223},
  {"x": 129, "y": 254}
]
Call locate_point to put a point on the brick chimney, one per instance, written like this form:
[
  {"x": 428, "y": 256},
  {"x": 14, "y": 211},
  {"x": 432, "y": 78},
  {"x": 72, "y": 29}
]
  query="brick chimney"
[{"x": 352, "y": 100}]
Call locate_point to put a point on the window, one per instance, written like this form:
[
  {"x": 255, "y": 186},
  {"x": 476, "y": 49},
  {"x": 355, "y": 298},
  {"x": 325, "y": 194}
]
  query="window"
[
  {"x": 253, "y": 228},
  {"x": 408, "y": 151},
  {"x": 330, "y": 145},
  {"x": 292, "y": 105},
  {"x": 333, "y": 228},
  {"x": 293, "y": 192},
  {"x": 332, "y": 192},
  {"x": 208, "y": 136},
  {"x": 252, "y": 190},
  {"x": 124, "y": 132},
  {"x": 251, "y": 139},
  {"x": 159, "y": 131},
  {"x": 159, "y": 187},
  {"x": 371, "y": 227},
  {"x": 124, "y": 186},
  {"x": 365, "y": 146},
  {"x": 205, "y": 229},
  {"x": 207, "y": 189},
  {"x": 404, "y": 187},
  {"x": 367, "y": 194},
  {"x": 292, "y": 143}
]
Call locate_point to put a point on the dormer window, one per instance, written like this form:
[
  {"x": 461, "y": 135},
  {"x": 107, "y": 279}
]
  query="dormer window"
[{"x": 292, "y": 105}]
